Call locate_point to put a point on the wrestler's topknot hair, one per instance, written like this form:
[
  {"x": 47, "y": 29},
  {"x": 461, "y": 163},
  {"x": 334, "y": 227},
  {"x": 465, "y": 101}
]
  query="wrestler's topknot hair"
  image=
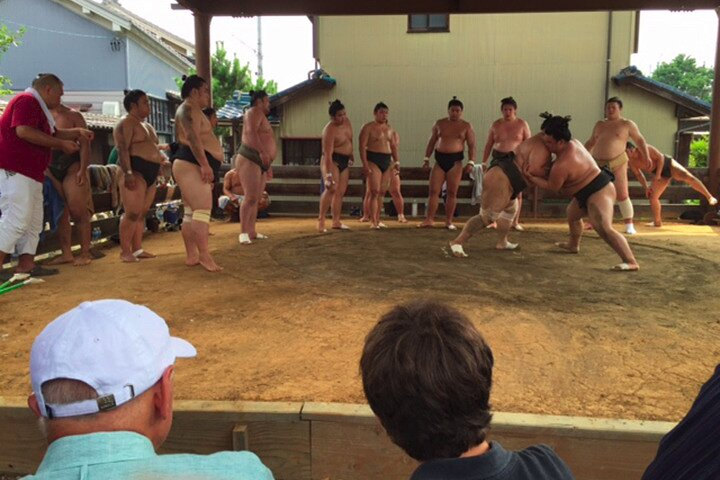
[
  {"x": 132, "y": 98},
  {"x": 545, "y": 116},
  {"x": 379, "y": 106},
  {"x": 191, "y": 83},
  {"x": 455, "y": 103},
  {"x": 615, "y": 100},
  {"x": 335, "y": 106},
  {"x": 256, "y": 95},
  {"x": 558, "y": 127},
  {"x": 508, "y": 101}
]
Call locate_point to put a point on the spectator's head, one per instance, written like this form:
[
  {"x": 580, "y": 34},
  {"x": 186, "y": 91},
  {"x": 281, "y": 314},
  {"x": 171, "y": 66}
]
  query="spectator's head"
[
  {"x": 196, "y": 88},
  {"x": 105, "y": 366},
  {"x": 455, "y": 108},
  {"x": 50, "y": 88},
  {"x": 613, "y": 107},
  {"x": 427, "y": 374},
  {"x": 556, "y": 131},
  {"x": 508, "y": 107},
  {"x": 137, "y": 102},
  {"x": 211, "y": 115}
]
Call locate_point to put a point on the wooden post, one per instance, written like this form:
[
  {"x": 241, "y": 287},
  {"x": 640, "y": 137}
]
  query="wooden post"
[
  {"x": 240, "y": 438},
  {"x": 714, "y": 155},
  {"x": 202, "y": 47}
]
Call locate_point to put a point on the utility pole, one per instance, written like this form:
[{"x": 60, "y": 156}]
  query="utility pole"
[{"x": 259, "y": 48}]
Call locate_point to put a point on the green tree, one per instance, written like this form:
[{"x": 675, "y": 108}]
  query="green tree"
[
  {"x": 685, "y": 75},
  {"x": 229, "y": 75},
  {"x": 699, "y": 152},
  {"x": 8, "y": 39}
]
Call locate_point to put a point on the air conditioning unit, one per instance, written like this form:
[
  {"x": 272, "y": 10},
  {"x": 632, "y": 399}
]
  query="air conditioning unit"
[{"x": 111, "y": 108}]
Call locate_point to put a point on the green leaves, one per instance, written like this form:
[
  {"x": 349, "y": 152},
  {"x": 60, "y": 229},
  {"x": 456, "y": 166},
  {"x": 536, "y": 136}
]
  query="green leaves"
[
  {"x": 683, "y": 74},
  {"x": 8, "y": 39},
  {"x": 229, "y": 75}
]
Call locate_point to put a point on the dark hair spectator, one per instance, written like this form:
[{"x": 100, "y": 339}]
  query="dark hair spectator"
[
  {"x": 380, "y": 105},
  {"x": 427, "y": 375}
]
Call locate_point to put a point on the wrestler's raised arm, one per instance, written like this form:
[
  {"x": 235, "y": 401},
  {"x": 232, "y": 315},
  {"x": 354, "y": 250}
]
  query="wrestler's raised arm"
[{"x": 642, "y": 146}]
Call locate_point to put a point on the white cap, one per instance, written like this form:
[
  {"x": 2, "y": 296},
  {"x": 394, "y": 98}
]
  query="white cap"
[{"x": 118, "y": 348}]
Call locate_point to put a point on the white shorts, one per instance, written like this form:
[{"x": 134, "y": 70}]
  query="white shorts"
[{"x": 21, "y": 204}]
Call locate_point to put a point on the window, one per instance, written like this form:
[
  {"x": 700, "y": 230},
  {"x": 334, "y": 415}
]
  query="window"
[
  {"x": 428, "y": 23},
  {"x": 160, "y": 117},
  {"x": 301, "y": 151}
]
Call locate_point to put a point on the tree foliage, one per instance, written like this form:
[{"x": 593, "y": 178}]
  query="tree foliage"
[
  {"x": 8, "y": 39},
  {"x": 699, "y": 152},
  {"x": 684, "y": 74},
  {"x": 229, "y": 75}
]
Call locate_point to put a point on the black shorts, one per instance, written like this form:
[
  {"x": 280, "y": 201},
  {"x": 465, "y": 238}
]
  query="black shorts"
[
  {"x": 507, "y": 165},
  {"x": 341, "y": 161},
  {"x": 447, "y": 161},
  {"x": 382, "y": 160},
  {"x": 184, "y": 152},
  {"x": 598, "y": 183},
  {"x": 148, "y": 170},
  {"x": 667, "y": 168},
  {"x": 61, "y": 162}
]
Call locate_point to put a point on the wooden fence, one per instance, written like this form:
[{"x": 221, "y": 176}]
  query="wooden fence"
[
  {"x": 296, "y": 190},
  {"x": 323, "y": 441}
]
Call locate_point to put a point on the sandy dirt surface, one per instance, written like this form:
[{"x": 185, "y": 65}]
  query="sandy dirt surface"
[{"x": 287, "y": 317}]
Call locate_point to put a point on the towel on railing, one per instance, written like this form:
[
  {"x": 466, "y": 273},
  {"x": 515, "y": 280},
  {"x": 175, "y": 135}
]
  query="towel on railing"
[
  {"x": 105, "y": 178},
  {"x": 476, "y": 175}
]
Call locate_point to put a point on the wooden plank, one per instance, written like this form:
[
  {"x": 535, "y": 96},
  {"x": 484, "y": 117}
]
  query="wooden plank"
[
  {"x": 51, "y": 243},
  {"x": 273, "y": 431},
  {"x": 372, "y": 454},
  {"x": 22, "y": 446}
]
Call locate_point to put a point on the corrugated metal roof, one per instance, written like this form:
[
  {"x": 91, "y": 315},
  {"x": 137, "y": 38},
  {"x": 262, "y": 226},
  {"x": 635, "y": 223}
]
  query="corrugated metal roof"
[
  {"x": 95, "y": 121},
  {"x": 236, "y": 106}
]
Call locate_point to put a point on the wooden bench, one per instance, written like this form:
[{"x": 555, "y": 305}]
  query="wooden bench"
[
  {"x": 296, "y": 190},
  {"x": 108, "y": 226}
]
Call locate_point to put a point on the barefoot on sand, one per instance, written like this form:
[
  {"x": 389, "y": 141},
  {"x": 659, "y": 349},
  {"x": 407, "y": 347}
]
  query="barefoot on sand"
[
  {"x": 565, "y": 246},
  {"x": 61, "y": 260}
]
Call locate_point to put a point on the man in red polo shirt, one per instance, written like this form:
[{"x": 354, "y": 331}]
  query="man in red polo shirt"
[{"x": 27, "y": 134}]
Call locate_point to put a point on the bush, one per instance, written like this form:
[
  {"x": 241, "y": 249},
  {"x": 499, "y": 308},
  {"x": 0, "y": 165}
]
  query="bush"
[{"x": 699, "y": 152}]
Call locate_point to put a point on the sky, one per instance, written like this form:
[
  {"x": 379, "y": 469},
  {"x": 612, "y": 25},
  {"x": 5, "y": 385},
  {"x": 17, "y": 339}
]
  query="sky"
[{"x": 287, "y": 41}]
